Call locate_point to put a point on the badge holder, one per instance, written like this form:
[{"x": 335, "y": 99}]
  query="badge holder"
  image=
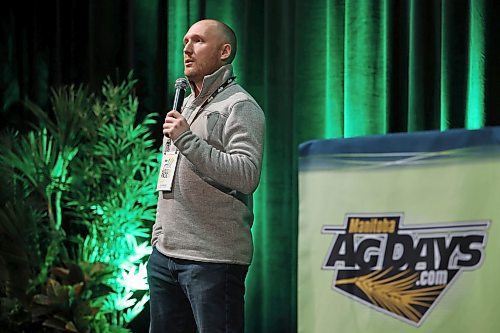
[{"x": 169, "y": 159}]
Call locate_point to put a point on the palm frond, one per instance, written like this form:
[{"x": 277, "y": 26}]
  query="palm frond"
[{"x": 70, "y": 119}]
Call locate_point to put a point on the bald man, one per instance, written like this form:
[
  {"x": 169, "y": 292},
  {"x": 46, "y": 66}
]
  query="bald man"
[{"x": 202, "y": 244}]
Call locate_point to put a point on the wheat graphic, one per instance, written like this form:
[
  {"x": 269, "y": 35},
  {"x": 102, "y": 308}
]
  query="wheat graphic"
[{"x": 395, "y": 293}]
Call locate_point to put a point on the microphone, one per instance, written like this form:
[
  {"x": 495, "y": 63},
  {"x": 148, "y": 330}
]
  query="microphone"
[{"x": 180, "y": 90}]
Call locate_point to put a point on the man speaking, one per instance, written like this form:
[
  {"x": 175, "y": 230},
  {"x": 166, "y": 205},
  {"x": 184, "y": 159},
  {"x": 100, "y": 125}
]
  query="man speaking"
[{"x": 202, "y": 244}]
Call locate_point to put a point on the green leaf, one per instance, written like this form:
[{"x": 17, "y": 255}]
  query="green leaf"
[
  {"x": 43, "y": 299},
  {"x": 55, "y": 323},
  {"x": 70, "y": 326}
]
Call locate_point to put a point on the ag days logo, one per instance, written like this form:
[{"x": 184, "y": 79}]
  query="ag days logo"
[{"x": 401, "y": 270}]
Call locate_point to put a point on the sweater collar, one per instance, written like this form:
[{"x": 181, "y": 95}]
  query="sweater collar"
[{"x": 211, "y": 82}]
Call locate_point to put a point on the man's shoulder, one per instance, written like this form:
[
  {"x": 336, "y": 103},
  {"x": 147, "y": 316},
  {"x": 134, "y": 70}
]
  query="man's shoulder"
[{"x": 237, "y": 94}]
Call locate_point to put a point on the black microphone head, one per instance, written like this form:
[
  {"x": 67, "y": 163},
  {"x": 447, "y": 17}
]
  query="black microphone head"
[
  {"x": 180, "y": 89},
  {"x": 181, "y": 83}
]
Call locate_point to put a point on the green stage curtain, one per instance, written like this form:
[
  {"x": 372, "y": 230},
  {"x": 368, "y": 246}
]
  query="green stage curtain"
[{"x": 319, "y": 69}]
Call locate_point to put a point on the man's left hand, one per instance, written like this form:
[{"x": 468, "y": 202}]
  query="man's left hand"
[{"x": 175, "y": 124}]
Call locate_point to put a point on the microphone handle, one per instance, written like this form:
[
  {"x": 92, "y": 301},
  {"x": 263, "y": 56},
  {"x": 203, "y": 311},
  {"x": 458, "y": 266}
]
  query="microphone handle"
[{"x": 179, "y": 99}]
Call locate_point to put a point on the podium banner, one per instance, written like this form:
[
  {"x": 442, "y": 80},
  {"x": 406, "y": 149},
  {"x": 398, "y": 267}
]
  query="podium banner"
[{"x": 400, "y": 233}]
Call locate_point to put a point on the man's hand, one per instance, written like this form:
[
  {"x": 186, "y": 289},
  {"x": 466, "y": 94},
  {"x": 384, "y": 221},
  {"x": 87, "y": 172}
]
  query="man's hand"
[{"x": 175, "y": 124}]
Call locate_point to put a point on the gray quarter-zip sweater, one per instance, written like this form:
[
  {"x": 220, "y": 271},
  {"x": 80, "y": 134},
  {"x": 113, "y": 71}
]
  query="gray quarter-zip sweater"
[{"x": 208, "y": 214}]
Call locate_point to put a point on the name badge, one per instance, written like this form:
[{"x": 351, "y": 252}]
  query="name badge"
[{"x": 167, "y": 170}]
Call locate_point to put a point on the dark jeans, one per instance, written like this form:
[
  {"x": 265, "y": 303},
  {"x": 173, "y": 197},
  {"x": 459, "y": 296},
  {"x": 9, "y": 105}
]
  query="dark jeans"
[{"x": 188, "y": 295}]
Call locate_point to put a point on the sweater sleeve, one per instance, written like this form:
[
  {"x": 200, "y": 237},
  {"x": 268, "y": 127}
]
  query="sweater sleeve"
[
  {"x": 157, "y": 231},
  {"x": 238, "y": 166},
  {"x": 157, "y": 228}
]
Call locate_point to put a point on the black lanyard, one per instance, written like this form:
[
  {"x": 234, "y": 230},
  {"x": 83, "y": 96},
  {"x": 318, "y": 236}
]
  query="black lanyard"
[
  {"x": 211, "y": 98},
  {"x": 217, "y": 91}
]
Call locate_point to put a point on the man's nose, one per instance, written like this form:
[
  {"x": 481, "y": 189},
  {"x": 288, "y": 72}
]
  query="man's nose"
[{"x": 187, "y": 48}]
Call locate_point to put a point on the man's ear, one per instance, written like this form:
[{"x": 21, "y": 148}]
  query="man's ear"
[{"x": 226, "y": 52}]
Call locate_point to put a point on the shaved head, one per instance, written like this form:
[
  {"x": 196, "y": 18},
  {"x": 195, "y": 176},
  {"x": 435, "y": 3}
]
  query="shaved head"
[
  {"x": 230, "y": 38},
  {"x": 226, "y": 35}
]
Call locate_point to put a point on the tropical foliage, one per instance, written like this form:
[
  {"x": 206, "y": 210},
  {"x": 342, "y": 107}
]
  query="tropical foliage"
[{"x": 77, "y": 203}]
